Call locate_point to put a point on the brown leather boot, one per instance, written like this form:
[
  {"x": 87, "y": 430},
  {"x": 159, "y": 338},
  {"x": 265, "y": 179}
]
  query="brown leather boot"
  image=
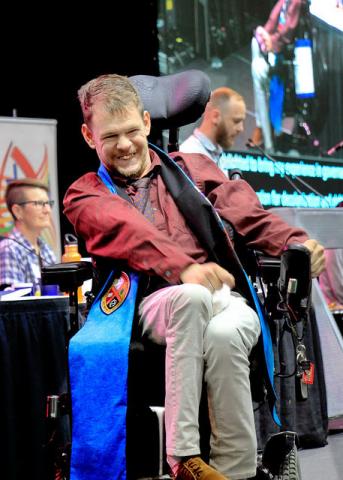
[{"x": 196, "y": 469}]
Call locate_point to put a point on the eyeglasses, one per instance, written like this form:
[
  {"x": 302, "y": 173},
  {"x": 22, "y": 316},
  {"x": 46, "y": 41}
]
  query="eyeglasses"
[{"x": 38, "y": 203}]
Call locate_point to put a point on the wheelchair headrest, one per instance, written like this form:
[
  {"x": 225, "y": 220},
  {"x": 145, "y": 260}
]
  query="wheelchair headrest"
[{"x": 173, "y": 100}]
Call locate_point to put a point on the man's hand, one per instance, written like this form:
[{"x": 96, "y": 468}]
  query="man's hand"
[
  {"x": 268, "y": 42},
  {"x": 210, "y": 275},
  {"x": 317, "y": 256},
  {"x": 264, "y": 39}
]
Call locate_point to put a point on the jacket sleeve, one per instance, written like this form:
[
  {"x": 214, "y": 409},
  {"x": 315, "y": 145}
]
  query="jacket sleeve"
[
  {"x": 281, "y": 38},
  {"x": 331, "y": 279},
  {"x": 112, "y": 228},
  {"x": 236, "y": 202}
]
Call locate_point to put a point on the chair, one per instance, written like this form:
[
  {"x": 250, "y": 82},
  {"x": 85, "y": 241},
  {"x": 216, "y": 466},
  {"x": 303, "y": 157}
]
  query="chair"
[{"x": 145, "y": 424}]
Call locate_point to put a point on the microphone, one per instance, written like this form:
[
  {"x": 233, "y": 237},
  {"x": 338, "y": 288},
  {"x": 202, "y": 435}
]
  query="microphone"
[
  {"x": 312, "y": 189},
  {"x": 336, "y": 147},
  {"x": 235, "y": 174},
  {"x": 308, "y": 132}
]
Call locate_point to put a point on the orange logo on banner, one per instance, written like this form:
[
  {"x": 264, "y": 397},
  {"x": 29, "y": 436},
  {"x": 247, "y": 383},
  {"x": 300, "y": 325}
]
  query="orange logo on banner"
[{"x": 116, "y": 294}]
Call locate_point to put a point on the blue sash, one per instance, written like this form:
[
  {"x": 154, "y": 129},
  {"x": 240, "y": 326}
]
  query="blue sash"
[
  {"x": 98, "y": 364},
  {"x": 267, "y": 348}
]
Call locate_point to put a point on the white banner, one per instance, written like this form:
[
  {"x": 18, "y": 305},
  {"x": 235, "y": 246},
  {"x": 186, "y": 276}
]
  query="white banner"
[{"x": 28, "y": 148}]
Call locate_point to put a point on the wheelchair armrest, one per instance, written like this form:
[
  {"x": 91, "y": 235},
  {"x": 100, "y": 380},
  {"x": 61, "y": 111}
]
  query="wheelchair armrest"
[
  {"x": 68, "y": 276},
  {"x": 291, "y": 273}
]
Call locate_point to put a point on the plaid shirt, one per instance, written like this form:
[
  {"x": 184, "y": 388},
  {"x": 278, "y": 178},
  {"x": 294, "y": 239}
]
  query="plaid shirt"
[{"x": 20, "y": 263}]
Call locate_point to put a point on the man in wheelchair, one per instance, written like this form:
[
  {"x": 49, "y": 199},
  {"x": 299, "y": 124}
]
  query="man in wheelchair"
[{"x": 158, "y": 215}]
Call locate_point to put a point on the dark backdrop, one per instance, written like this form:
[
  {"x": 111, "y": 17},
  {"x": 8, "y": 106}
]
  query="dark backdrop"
[{"x": 46, "y": 56}]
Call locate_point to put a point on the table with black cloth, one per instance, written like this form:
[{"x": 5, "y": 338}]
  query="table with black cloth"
[{"x": 33, "y": 364}]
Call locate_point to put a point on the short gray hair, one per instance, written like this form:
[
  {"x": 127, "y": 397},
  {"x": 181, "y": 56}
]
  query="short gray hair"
[{"x": 15, "y": 191}]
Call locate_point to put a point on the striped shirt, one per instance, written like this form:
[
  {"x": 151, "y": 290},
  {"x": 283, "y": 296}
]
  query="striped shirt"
[{"x": 20, "y": 263}]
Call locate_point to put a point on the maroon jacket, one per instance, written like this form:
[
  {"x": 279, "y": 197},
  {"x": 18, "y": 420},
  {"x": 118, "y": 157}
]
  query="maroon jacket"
[
  {"x": 285, "y": 35},
  {"x": 113, "y": 228}
]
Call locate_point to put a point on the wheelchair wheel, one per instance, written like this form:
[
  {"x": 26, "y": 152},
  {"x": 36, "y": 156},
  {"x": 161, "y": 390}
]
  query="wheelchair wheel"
[
  {"x": 280, "y": 457},
  {"x": 290, "y": 467}
]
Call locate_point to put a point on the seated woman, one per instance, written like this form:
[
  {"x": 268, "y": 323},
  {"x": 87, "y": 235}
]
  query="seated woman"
[{"x": 23, "y": 253}]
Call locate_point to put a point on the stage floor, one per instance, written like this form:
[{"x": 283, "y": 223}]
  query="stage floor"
[{"x": 323, "y": 463}]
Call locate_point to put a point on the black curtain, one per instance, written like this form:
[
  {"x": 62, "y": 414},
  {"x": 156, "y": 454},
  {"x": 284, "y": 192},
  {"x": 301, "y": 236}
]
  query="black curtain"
[
  {"x": 48, "y": 54},
  {"x": 33, "y": 365}
]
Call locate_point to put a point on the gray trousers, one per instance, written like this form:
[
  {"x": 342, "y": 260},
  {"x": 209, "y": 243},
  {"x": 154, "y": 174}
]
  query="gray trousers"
[{"x": 214, "y": 347}]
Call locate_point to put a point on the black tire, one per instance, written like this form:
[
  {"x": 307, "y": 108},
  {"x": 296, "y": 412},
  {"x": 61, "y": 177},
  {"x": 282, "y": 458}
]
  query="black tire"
[{"x": 290, "y": 467}]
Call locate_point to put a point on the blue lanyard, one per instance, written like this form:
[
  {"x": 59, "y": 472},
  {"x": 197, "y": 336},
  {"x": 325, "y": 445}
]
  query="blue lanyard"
[{"x": 106, "y": 178}]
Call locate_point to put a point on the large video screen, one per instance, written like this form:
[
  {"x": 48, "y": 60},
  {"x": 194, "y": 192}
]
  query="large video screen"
[
  {"x": 280, "y": 181},
  {"x": 216, "y": 37}
]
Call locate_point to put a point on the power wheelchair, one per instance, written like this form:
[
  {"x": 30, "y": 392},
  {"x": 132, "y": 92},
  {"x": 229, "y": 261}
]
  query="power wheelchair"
[{"x": 284, "y": 288}]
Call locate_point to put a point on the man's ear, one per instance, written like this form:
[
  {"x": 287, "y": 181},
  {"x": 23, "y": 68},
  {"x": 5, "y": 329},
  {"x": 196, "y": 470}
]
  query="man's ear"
[
  {"x": 147, "y": 122},
  {"x": 216, "y": 116},
  {"x": 87, "y": 135}
]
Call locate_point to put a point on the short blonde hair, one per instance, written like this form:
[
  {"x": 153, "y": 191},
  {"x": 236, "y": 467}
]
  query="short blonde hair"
[
  {"x": 221, "y": 96},
  {"x": 115, "y": 92}
]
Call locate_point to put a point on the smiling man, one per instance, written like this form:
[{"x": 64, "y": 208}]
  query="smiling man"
[
  {"x": 140, "y": 209},
  {"x": 222, "y": 122}
]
